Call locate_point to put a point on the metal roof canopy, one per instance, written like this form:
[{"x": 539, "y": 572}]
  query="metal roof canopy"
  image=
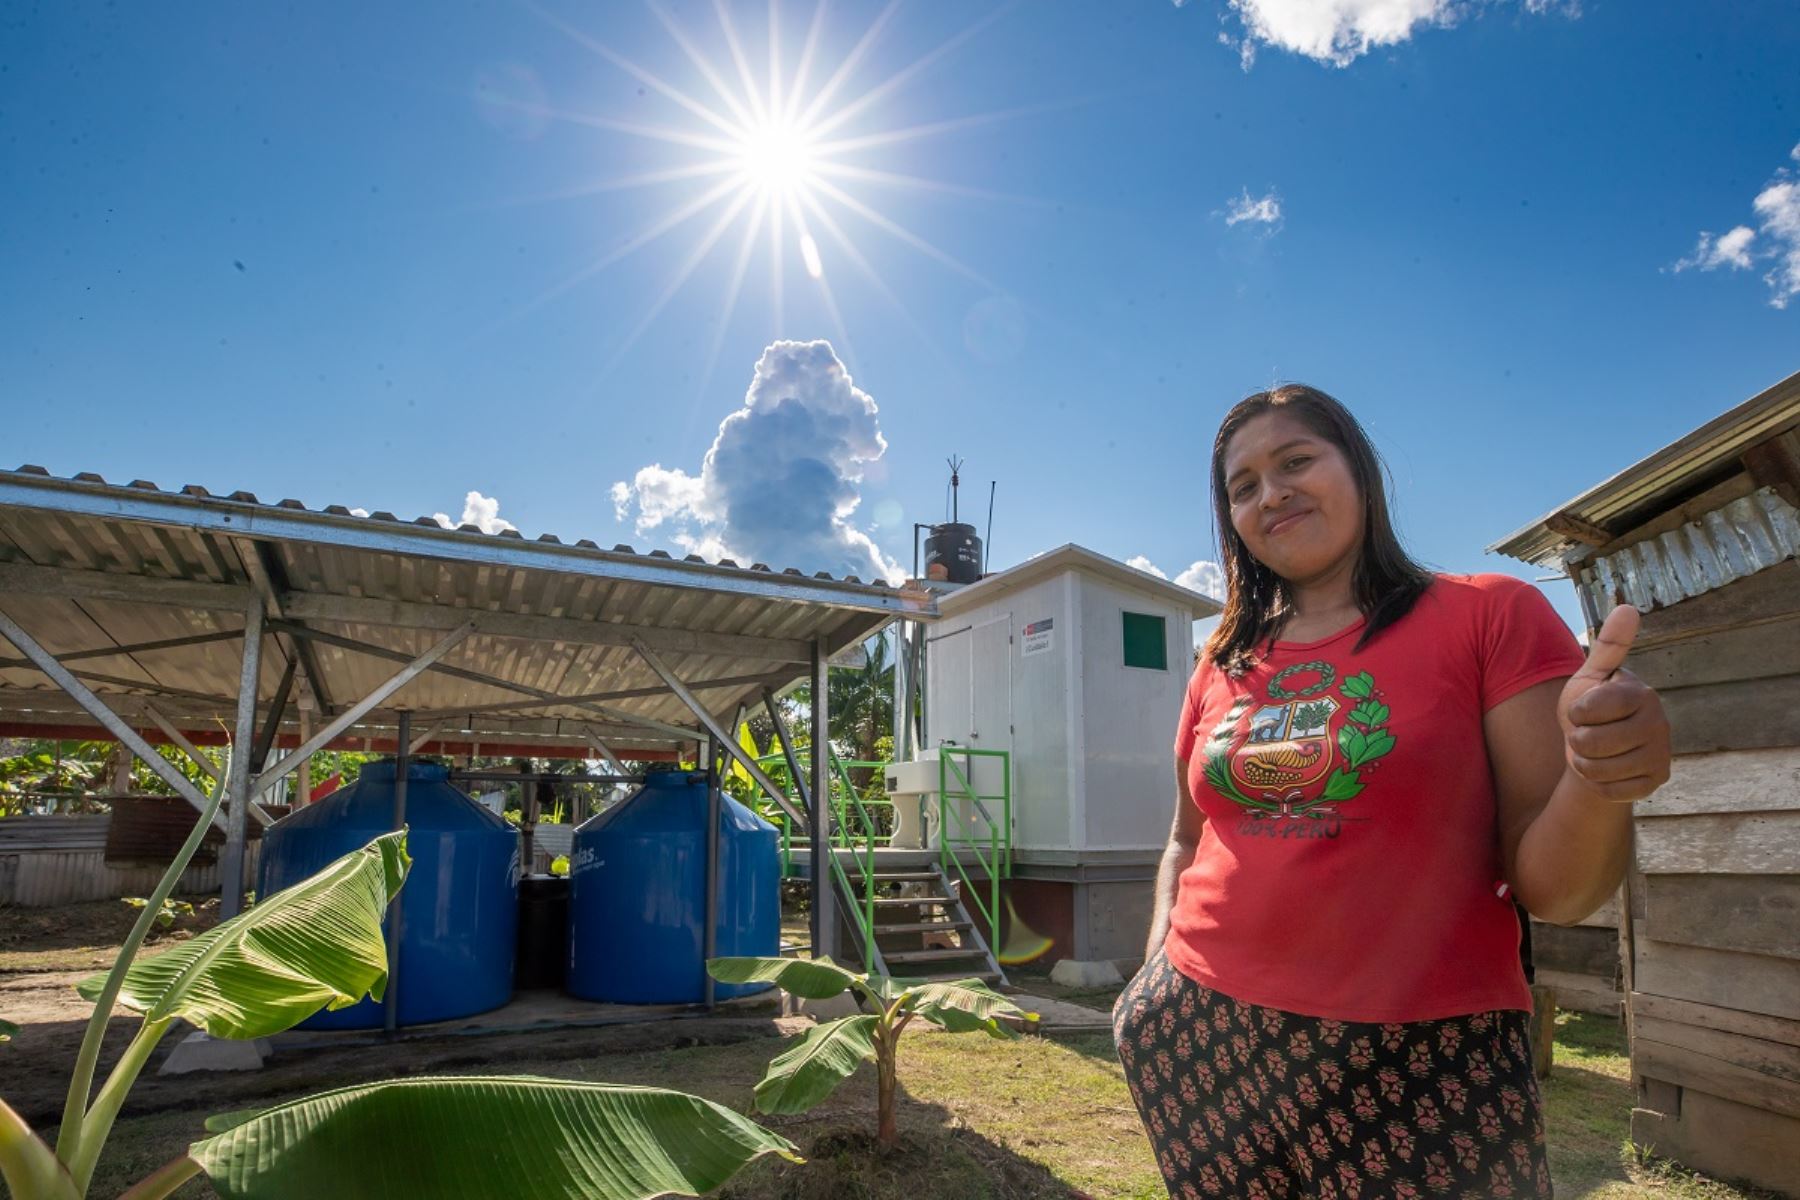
[
  {"x": 130, "y": 606},
  {"x": 142, "y": 593},
  {"x": 1613, "y": 507}
]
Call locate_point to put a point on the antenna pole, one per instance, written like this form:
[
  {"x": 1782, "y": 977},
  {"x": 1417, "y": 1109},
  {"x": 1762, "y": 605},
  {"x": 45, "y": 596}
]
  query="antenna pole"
[{"x": 988, "y": 541}]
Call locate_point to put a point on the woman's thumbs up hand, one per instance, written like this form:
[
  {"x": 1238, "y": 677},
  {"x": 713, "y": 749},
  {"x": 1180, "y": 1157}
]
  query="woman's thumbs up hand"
[{"x": 1615, "y": 736}]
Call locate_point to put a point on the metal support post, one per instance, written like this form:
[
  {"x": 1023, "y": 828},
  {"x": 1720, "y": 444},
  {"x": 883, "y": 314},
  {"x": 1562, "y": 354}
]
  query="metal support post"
[
  {"x": 243, "y": 757},
  {"x": 824, "y": 908},
  {"x": 710, "y": 936},
  {"x": 303, "y": 772},
  {"x": 390, "y": 1007}
]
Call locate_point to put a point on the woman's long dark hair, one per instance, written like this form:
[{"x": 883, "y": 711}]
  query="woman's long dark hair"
[{"x": 1257, "y": 602}]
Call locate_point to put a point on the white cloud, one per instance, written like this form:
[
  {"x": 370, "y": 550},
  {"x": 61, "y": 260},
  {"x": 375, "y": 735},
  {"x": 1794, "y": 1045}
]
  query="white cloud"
[
  {"x": 1207, "y": 578},
  {"x": 478, "y": 510},
  {"x": 1729, "y": 249},
  {"x": 1341, "y": 31},
  {"x": 1779, "y": 207},
  {"x": 782, "y": 480},
  {"x": 1775, "y": 240},
  {"x": 1262, "y": 210}
]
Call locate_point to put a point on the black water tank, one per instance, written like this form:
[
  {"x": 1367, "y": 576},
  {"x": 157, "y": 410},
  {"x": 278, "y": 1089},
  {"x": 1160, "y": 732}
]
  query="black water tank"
[
  {"x": 543, "y": 955},
  {"x": 953, "y": 552}
]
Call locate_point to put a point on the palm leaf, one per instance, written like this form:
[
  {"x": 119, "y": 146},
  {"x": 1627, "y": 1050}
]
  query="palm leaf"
[
  {"x": 811, "y": 1069},
  {"x": 479, "y": 1137},
  {"x": 965, "y": 1006},
  {"x": 808, "y": 978},
  {"x": 316, "y": 944}
]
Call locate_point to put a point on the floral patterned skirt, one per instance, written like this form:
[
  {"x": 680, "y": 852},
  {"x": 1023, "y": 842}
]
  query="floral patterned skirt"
[{"x": 1245, "y": 1101}]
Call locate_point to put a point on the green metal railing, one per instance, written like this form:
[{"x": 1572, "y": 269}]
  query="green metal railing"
[
  {"x": 856, "y": 827},
  {"x": 956, "y": 834}
]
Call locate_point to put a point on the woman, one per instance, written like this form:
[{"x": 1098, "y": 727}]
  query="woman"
[{"x": 1372, "y": 760}]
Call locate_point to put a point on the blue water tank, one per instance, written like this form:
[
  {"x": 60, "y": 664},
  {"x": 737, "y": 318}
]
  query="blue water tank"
[
  {"x": 637, "y": 894},
  {"x": 459, "y": 910}
]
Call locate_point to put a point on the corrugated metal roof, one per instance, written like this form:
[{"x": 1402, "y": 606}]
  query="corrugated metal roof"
[
  {"x": 1637, "y": 491},
  {"x": 81, "y": 559},
  {"x": 1749, "y": 534}
]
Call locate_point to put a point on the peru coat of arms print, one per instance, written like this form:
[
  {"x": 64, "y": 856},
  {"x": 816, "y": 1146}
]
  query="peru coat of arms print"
[{"x": 1293, "y": 759}]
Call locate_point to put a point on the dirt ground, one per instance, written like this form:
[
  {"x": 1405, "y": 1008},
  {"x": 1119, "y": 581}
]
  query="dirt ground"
[{"x": 1036, "y": 1119}]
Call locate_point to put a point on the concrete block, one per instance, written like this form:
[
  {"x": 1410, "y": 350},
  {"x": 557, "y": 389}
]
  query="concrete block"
[
  {"x": 1073, "y": 973},
  {"x": 200, "y": 1052}
]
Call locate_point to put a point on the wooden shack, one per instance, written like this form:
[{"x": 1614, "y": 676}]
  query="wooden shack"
[{"x": 1704, "y": 537}]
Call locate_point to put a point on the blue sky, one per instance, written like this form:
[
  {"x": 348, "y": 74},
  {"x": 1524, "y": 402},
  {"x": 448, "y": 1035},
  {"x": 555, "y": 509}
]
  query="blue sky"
[{"x": 347, "y": 253}]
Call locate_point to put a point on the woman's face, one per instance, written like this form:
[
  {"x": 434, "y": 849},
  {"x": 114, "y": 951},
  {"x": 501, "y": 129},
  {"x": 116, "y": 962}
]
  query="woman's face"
[{"x": 1293, "y": 498}]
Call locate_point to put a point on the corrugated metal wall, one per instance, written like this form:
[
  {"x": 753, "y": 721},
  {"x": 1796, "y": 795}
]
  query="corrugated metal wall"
[{"x": 46, "y": 861}]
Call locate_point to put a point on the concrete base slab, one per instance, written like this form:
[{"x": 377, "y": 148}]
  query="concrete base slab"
[
  {"x": 1073, "y": 973},
  {"x": 200, "y": 1052},
  {"x": 1060, "y": 1016}
]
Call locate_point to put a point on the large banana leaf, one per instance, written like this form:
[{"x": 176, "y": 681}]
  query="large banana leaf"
[
  {"x": 315, "y": 944},
  {"x": 482, "y": 1137},
  {"x": 965, "y": 1006},
  {"x": 811, "y": 1069},
  {"x": 808, "y": 978}
]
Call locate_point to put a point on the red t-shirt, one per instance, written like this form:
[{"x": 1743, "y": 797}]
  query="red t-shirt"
[{"x": 1349, "y": 860}]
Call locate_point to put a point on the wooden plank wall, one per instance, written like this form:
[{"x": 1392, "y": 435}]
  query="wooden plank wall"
[
  {"x": 1712, "y": 943},
  {"x": 1580, "y": 962}
]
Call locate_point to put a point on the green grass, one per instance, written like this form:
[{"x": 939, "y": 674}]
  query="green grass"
[
  {"x": 1588, "y": 1112},
  {"x": 1033, "y": 1119}
]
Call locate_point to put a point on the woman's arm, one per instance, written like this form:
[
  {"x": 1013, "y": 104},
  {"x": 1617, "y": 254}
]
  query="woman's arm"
[
  {"x": 1569, "y": 757},
  {"x": 1184, "y": 836}
]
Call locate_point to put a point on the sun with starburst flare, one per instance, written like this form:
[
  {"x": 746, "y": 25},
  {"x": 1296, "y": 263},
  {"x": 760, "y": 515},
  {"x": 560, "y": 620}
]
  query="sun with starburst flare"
[{"x": 770, "y": 157}]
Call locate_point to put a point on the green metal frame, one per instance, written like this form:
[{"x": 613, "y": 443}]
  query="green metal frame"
[
  {"x": 855, "y": 828},
  {"x": 998, "y": 860}
]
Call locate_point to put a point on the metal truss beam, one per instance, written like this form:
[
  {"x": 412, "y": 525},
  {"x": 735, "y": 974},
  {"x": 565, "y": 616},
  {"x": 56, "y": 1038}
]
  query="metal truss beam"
[
  {"x": 96, "y": 708},
  {"x": 728, "y": 744},
  {"x": 355, "y": 712}
]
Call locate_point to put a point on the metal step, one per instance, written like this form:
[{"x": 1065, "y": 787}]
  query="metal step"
[
  {"x": 906, "y": 877},
  {"x": 924, "y": 927},
  {"x": 905, "y": 956},
  {"x": 913, "y": 901}
]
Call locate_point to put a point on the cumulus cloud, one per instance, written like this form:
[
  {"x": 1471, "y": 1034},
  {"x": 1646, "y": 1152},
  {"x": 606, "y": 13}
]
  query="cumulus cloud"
[
  {"x": 782, "y": 480},
  {"x": 478, "y": 510},
  {"x": 1259, "y": 210},
  {"x": 1341, "y": 31},
  {"x": 1775, "y": 241},
  {"x": 1731, "y": 249},
  {"x": 1207, "y": 578}
]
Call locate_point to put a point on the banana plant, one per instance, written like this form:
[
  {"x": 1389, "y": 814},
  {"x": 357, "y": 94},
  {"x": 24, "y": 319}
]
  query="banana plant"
[
  {"x": 319, "y": 945},
  {"x": 829, "y": 1053}
]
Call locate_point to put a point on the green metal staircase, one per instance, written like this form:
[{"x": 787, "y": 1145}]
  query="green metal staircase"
[{"x": 917, "y": 913}]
